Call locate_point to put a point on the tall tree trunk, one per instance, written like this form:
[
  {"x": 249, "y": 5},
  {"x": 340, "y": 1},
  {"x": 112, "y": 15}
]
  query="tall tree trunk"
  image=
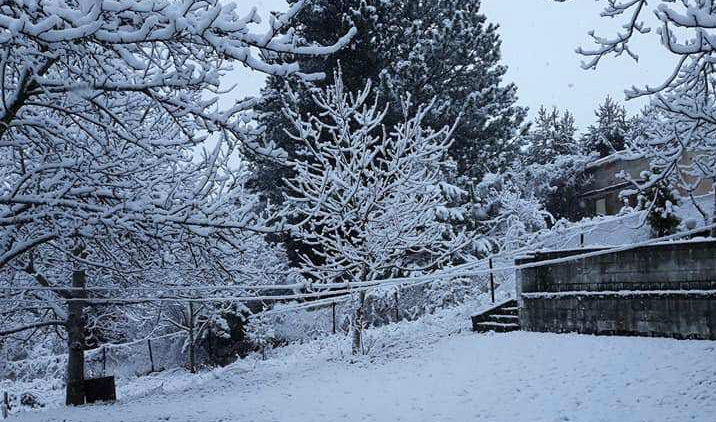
[
  {"x": 75, "y": 393},
  {"x": 358, "y": 326},
  {"x": 192, "y": 353}
]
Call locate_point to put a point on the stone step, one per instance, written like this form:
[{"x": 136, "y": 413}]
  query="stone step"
[
  {"x": 500, "y": 318},
  {"x": 505, "y": 318},
  {"x": 509, "y": 311},
  {"x": 498, "y": 327}
]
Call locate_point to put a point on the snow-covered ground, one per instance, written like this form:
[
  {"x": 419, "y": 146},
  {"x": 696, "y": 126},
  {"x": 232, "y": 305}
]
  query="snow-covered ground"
[
  {"x": 434, "y": 369},
  {"x": 620, "y": 230}
]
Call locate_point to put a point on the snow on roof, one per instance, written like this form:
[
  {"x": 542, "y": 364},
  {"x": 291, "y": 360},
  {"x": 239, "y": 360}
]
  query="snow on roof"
[{"x": 623, "y": 155}]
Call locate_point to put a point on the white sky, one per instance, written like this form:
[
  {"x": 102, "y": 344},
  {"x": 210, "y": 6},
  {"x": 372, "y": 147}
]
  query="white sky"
[{"x": 538, "y": 42}]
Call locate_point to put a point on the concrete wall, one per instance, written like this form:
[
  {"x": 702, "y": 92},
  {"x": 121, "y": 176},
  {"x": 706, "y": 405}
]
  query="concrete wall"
[
  {"x": 677, "y": 315},
  {"x": 660, "y": 290}
]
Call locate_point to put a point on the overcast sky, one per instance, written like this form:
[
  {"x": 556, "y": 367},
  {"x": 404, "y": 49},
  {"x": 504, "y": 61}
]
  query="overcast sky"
[{"x": 538, "y": 42}]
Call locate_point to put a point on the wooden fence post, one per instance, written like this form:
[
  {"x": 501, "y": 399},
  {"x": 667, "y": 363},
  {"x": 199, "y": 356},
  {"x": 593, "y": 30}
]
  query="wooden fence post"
[
  {"x": 151, "y": 357},
  {"x": 192, "y": 340},
  {"x": 104, "y": 361},
  {"x": 492, "y": 283},
  {"x": 397, "y": 306},
  {"x": 333, "y": 306}
]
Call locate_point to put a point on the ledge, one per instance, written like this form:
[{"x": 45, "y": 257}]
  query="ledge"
[{"x": 619, "y": 293}]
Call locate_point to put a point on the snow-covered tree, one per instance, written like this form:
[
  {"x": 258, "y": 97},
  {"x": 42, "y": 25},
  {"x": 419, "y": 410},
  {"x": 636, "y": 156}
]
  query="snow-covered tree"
[
  {"x": 679, "y": 154},
  {"x": 511, "y": 207},
  {"x": 687, "y": 96},
  {"x": 106, "y": 109},
  {"x": 607, "y": 135},
  {"x": 261, "y": 334},
  {"x": 553, "y": 135},
  {"x": 661, "y": 203},
  {"x": 507, "y": 212},
  {"x": 444, "y": 50},
  {"x": 253, "y": 261},
  {"x": 557, "y": 184},
  {"x": 371, "y": 199}
]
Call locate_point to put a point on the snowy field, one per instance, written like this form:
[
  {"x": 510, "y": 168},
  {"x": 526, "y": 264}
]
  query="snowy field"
[
  {"x": 457, "y": 377},
  {"x": 435, "y": 369}
]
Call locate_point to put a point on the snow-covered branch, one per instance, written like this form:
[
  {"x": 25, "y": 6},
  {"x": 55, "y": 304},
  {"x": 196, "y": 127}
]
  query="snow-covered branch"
[
  {"x": 15, "y": 330},
  {"x": 119, "y": 166},
  {"x": 371, "y": 200},
  {"x": 682, "y": 137}
]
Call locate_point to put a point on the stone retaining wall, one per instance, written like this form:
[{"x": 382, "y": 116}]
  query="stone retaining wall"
[{"x": 665, "y": 290}]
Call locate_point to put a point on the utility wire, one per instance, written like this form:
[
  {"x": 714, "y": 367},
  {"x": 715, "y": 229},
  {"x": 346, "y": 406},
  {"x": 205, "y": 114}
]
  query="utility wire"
[{"x": 348, "y": 288}]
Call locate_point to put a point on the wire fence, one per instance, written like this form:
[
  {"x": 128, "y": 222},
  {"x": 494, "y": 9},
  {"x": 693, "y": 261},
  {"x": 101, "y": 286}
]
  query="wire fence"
[
  {"x": 319, "y": 291},
  {"x": 137, "y": 358},
  {"x": 383, "y": 305},
  {"x": 326, "y": 312},
  {"x": 122, "y": 360},
  {"x": 290, "y": 322}
]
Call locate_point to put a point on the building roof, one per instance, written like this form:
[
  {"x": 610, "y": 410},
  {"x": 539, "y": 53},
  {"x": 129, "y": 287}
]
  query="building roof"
[{"x": 623, "y": 155}]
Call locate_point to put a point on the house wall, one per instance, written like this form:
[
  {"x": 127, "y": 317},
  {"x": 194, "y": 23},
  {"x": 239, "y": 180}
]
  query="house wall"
[
  {"x": 660, "y": 290},
  {"x": 604, "y": 172},
  {"x": 604, "y": 183}
]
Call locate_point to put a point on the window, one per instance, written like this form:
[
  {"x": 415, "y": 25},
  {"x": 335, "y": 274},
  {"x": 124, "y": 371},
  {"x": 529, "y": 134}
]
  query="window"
[{"x": 601, "y": 206}]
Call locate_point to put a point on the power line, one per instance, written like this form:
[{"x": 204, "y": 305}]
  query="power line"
[
  {"x": 504, "y": 255},
  {"x": 155, "y": 288},
  {"x": 365, "y": 285}
]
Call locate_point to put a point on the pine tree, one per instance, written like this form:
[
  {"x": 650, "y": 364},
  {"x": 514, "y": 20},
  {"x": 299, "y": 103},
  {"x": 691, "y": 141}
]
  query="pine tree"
[
  {"x": 607, "y": 135},
  {"x": 443, "y": 50},
  {"x": 565, "y": 141},
  {"x": 661, "y": 203},
  {"x": 553, "y": 136}
]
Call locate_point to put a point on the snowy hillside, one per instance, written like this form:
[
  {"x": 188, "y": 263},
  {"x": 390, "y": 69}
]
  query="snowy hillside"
[
  {"x": 434, "y": 369},
  {"x": 317, "y": 251}
]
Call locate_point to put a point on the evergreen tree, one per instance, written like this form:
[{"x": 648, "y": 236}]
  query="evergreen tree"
[
  {"x": 607, "y": 135},
  {"x": 565, "y": 141},
  {"x": 443, "y": 50},
  {"x": 661, "y": 203},
  {"x": 553, "y": 136}
]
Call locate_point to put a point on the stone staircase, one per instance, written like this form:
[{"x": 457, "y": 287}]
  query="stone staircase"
[{"x": 501, "y": 318}]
